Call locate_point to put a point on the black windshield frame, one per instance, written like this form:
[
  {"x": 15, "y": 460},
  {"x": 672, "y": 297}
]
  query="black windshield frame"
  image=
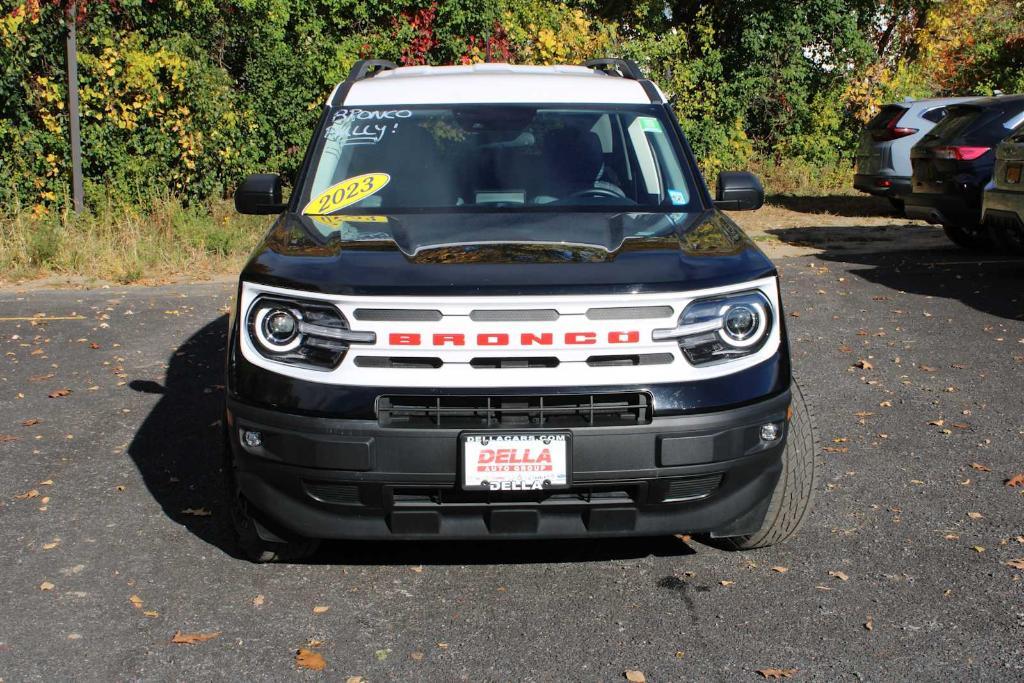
[{"x": 698, "y": 200}]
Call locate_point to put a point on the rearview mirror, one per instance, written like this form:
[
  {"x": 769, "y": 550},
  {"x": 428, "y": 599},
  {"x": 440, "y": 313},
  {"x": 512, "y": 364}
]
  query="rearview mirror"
[
  {"x": 260, "y": 194},
  {"x": 738, "y": 191}
]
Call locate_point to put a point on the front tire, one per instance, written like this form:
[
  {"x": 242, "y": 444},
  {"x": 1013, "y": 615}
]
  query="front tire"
[
  {"x": 794, "y": 493},
  {"x": 973, "y": 238}
]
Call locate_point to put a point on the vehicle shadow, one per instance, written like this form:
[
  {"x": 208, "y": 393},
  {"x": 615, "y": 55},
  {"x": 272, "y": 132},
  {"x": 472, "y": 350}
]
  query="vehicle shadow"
[
  {"x": 919, "y": 260},
  {"x": 853, "y": 206},
  {"x": 178, "y": 451}
]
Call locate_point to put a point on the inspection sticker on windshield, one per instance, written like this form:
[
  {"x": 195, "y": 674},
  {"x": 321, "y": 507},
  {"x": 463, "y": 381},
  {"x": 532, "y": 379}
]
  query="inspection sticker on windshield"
[
  {"x": 677, "y": 197},
  {"x": 527, "y": 461},
  {"x": 649, "y": 124},
  {"x": 346, "y": 193}
]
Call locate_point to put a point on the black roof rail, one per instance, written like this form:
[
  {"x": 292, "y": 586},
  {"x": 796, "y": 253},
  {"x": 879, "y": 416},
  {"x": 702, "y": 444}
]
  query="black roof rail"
[
  {"x": 367, "y": 68},
  {"x": 626, "y": 68}
]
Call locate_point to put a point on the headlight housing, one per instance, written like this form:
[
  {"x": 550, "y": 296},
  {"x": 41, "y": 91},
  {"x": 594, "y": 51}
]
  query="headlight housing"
[
  {"x": 722, "y": 328},
  {"x": 297, "y": 332}
]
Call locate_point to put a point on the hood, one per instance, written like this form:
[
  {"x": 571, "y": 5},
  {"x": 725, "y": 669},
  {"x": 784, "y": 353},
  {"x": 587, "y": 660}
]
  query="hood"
[{"x": 452, "y": 253}]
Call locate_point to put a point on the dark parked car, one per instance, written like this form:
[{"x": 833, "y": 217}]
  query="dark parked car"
[
  {"x": 954, "y": 162},
  {"x": 883, "y": 157},
  {"x": 1003, "y": 209},
  {"x": 502, "y": 303}
]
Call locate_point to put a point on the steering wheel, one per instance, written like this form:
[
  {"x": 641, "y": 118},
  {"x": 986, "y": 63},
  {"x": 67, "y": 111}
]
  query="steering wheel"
[{"x": 607, "y": 191}]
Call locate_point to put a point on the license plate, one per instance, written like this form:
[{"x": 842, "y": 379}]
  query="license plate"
[
  {"x": 1013, "y": 173},
  {"x": 515, "y": 461}
]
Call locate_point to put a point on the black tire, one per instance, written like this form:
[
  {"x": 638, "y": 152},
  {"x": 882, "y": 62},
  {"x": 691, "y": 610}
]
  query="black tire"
[
  {"x": 1006, "y": 238},
  {"x": 250, "y": 545},
  {"x": 794, "y": 493},
  {"x": 973, "y": 238},
  {"x": 897, "y": 204}
]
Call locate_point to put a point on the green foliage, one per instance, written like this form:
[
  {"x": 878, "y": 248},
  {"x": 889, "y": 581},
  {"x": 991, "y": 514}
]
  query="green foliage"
[{"x": 187, "y": 97}]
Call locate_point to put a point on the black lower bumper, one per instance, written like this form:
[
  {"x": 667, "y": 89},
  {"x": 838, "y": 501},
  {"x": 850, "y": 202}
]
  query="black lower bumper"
[
  {"x": 962, "y": 210},
  {"x": 335, "y": 479},
  {"x": 896, "y": 187}
]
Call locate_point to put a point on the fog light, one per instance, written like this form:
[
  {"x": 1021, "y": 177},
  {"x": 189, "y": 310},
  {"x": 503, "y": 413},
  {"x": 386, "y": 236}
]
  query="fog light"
[
  {"x": 770, "y": 431},
  {"x": 255, "y": 439}
]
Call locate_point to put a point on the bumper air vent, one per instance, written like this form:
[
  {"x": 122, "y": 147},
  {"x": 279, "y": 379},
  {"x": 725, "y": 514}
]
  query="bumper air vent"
[{"x": 692, "y": 488}]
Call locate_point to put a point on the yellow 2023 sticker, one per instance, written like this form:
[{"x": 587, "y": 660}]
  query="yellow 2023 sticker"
[{"x": 346, "y": 193}]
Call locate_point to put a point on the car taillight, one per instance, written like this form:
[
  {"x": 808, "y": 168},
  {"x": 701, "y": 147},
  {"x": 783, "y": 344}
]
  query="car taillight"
[
  {"x": 891, "y": 130},
  {"x": 960, "y": 152}
]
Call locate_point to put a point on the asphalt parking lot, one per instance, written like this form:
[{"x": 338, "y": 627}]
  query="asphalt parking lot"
[{"x": 115, "y": 535}]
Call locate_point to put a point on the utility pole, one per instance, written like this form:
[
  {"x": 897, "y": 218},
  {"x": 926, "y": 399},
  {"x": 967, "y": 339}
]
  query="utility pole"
[{"x": 77, "y": 194}]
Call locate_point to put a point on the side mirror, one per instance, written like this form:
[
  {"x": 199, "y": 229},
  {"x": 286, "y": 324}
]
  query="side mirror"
[
  {"x": 260, "y": 194},
  {"x": 738, "y": 191}
]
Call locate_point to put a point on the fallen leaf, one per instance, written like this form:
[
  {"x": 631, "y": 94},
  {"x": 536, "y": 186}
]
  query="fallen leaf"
[
  {"x": 839, "y": 575},
  {"x": 869, "y": 625},
  {"x": 151, "y": 613},
  {"x": 418, "y": 569},
  {"x": 381, "y": 655},
  {"x": 7, "y": 437},
  {"x": 1015, "y": 481},
  {"x": 1017, "y": 563},
  {"x": 355, "y": 679},
  {"x": 59, "y": 393},
  {"x": 927, "y": 368},
  {"x": 981, "y": 468},
  {"x": 193, "y": 638},
  {"x": 975, "y": 515},
  {"x": 32, "y": 493},
  {"x": 307, "y": 659},
  {"x": 636, "y": 677},
  {"x": 94, "y": 345},
  {"x": 136, "y": 601},
  {"x": 680, "y": 654},
  {"x": 31, "y": 421},
  {"x": 726, "y": 582},
  {"x": 863, "y": 365},
  {"x": 978, "y": 548},
  {"x": 937, "y": 423},
  {"x": 885, "y": 404},
  {"x": 443, "y": 646},
  {"x": 52, "y": 544},
  {"x": 46, "y": 586},
  {"x": 416, "y": 656},
  {"x": 321, "y": 609},
  {"x": 780, "y": 570},
  {"x": 196, "y": 512},
  {"x": 777, "y": 673},
  {"x": 258, "y": 601}
]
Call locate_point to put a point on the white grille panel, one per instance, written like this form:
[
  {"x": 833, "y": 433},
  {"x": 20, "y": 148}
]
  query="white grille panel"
[{"x": 463, "y": 334}]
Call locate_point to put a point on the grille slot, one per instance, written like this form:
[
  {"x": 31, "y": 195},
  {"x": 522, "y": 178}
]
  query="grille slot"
[
  {"x": 395, "y": 314},
  {"x": 576, "y": 495},
  {"x": 426, "y": 362},
  {"x": 467, "y": 412},
  {"x": 692, "y": 488},
  {"x": 331, "y": 492},
  {"x": 629, "y": 313},
  {"x": 515, "y": 363},
  {"x": 634, "y": 359},
  {"x": 513, "y": 315}
]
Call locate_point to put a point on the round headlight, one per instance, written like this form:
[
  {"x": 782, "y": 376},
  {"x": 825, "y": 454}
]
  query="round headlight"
[
  {"x": 280, "y": 326},
  {"x": 740, "y": 322}
]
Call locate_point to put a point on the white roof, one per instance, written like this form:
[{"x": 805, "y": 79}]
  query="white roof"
[{"x": 486, "y": 83}]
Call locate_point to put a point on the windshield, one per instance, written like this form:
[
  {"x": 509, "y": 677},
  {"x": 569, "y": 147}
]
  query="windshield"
[{"x": 508, "y": 158}]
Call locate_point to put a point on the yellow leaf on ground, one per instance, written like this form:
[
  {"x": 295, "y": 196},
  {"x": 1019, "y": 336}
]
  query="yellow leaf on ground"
[
  {"x": 193, "y": 638},
  {"x": 780, "y": 570},
  {"x": 320, "y": 609},
  {"x": 136, "y": 601},
  {"x": 307, "y": 659},
  {"x": 839, "y": 575},
  {"x": 46, "y": 586},
  {"x": 777, "y": 673},
  {"x": 636, "y": 677}
]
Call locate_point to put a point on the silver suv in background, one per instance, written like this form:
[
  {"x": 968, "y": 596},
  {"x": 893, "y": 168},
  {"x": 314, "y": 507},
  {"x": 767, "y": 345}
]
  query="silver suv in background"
[
  {"x": 883, "y": 157},
  {"x": 1003, "y": 207}
]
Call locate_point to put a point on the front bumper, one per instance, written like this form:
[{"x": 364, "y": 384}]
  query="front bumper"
[{"x": 354, "y": 479}]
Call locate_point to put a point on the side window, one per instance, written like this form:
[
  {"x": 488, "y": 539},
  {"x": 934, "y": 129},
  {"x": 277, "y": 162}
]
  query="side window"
[{"x": 935, "y": 115}]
